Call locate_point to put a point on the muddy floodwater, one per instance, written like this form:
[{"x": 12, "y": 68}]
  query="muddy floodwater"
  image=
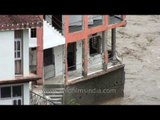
[{"x": 139, "y": 44}]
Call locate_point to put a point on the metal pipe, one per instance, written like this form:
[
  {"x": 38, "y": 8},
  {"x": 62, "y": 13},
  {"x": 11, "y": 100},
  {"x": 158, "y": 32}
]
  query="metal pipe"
[{"x": 114, "y": 43}]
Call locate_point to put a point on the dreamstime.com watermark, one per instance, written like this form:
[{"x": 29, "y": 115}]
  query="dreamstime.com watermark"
[{"x": 84, "y": 90}]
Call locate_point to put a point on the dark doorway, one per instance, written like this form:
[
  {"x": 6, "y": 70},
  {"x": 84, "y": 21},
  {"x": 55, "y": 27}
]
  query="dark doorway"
[
  {"x": 48, "y": 57},
  {"x": 71, "y": 56}
]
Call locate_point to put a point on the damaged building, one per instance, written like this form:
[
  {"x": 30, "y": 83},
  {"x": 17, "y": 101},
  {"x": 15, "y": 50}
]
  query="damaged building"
[{"x": 74, "y": 54}]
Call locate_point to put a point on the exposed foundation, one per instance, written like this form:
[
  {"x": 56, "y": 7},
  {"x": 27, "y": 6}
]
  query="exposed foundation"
[{"x": 99, "y": 88}]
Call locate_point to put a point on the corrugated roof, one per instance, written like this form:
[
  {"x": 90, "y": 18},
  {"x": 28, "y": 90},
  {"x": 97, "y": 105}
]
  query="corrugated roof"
[{"x": 16, "y": 22}]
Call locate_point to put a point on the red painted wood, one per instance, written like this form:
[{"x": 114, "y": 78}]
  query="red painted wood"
[{"x": 40, "y": 54}]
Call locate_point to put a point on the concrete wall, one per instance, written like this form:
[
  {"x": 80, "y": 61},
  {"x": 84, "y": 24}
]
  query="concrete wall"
[
  {"x": 59, "y": 58},
  {"x": 25, "y": 53},
  {"x": 7, "y": 55},
  {"x": 49, "y": 71},
  {"x": 26, "y": 93},
  {"x": 96, "y": 59},
  {"x": 79, "y": 55},
  {"x": 96, "y": 89},
  {"x": 58, "y": 68}
]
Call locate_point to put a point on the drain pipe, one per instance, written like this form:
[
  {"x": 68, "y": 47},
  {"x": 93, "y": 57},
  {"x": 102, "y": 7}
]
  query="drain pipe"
[{"x": 114, "y": 43}]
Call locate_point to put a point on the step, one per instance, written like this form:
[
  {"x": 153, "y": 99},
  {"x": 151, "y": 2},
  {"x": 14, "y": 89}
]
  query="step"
[
  {"x": 53, "y": 86},
  {"x": 53, "y": 93},
  {"x": 55, "y": 99},
  {"x": 58, "y": 103},
  {"x": 55, "y": 96},
  {"x": 53, "y": 90}
]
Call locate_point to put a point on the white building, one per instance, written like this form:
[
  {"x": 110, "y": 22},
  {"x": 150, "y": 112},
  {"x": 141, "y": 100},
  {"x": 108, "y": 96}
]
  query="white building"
[
  {"x": 53, "y": 42},
  {"x": 14, "y": 58}
]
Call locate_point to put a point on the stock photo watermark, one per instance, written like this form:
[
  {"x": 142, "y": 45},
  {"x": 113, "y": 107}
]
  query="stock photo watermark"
[{"x": 82, "y": 90}]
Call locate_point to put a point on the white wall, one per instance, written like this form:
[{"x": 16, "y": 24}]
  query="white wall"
[
  {"x": 25, "y": 53},
  {"x": 26, "y": 94},
  {"x": 51, "y": 37},
  {"x": 59, "y": 58},
  {"x": 32, "y": 41},
  {"x": 79, "y": 55},
  {"x": 6, "y": 55},
  {"x": 6, "y": 102},
  {"x": 32, "y": 57}
]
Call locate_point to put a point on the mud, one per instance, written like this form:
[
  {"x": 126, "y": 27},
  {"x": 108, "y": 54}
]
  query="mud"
[{"x": 139, "y": 45}]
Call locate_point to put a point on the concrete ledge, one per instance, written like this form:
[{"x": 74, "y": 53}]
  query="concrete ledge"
[
  {"x": 95, "y": 88},
  {"x": 89, "y": 77}
]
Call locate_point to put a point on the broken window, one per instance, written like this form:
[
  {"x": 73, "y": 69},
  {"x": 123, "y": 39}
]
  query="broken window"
[{"x": 95, "y": 45}]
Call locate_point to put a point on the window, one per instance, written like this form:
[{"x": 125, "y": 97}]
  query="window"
[
  {"x": 5, "y": 92},
  {"x": 17, "y": 91},
  {"x": 94, "y": 45},
  {"x": 18, "y": 52},
  {"x": 18, "y": 56},
  {"x": 11, "y": 91},
  {"x": 33, "y": 33}
]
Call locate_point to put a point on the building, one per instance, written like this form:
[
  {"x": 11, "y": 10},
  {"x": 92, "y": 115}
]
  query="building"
[
  {"x": 78, "y": 52},
  {"x": 14, "y": 58}
]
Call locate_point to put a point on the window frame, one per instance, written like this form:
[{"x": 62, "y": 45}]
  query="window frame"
[
  {"x": 18, "y": 50},
  {"x": 11, "y": 90},
  {"x": 5, "y": 97}
]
